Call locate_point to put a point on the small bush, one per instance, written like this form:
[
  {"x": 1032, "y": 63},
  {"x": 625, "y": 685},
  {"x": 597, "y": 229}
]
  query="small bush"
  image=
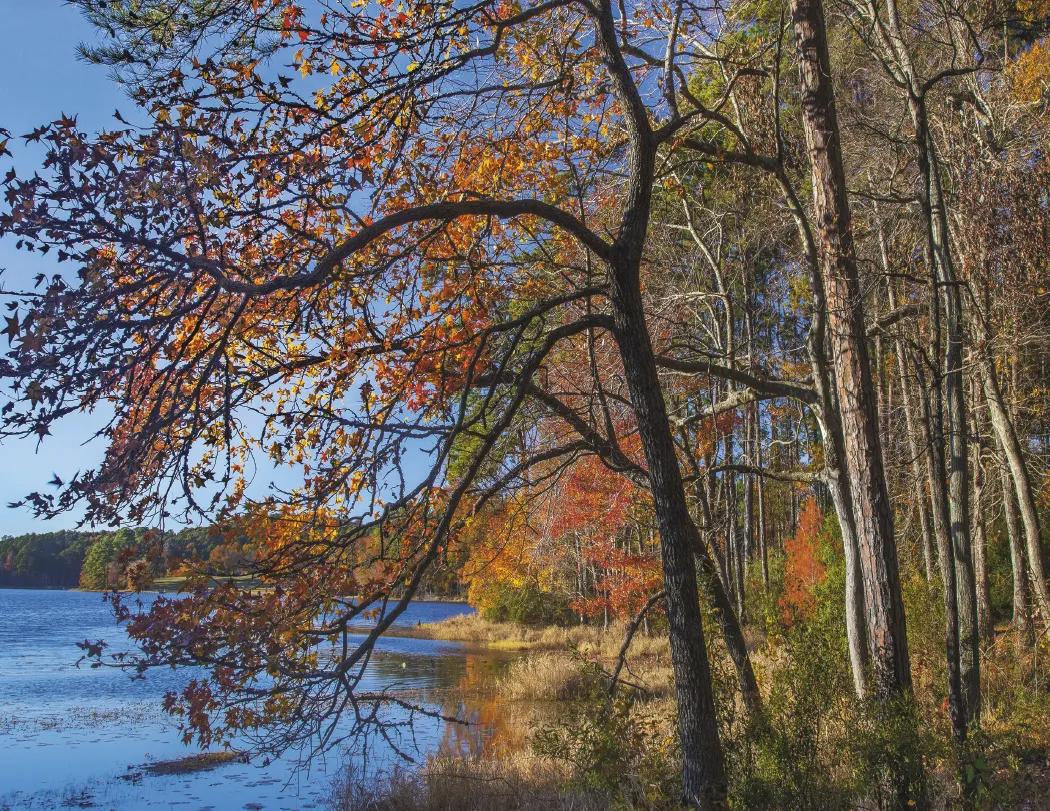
[
  {"x": 818, "y": 746},
  {"x": 623, "y": 749}
]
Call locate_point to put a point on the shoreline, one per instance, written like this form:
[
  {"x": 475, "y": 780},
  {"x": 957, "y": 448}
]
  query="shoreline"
[{"x": 427, "y": 598}]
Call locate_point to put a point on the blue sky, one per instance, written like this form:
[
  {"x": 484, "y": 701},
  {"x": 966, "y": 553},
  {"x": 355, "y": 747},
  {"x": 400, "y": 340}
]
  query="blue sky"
[{"x": 42, "y": 78}]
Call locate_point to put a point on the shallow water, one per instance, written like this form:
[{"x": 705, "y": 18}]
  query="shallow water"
[{"x": 72, "y": 737}]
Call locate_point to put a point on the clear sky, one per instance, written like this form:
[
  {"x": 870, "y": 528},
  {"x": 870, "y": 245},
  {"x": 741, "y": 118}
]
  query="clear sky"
[{"x": 42, "y": 78}]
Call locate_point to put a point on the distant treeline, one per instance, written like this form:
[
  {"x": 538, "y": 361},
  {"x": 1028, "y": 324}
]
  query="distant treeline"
[
  {"x": 136, "y": 558},
  {"x": 114, "y": 558}
]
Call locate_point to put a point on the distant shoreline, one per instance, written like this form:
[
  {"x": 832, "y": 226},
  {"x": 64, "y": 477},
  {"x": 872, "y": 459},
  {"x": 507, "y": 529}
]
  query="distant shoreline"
[{"x": 426, "y": 598}]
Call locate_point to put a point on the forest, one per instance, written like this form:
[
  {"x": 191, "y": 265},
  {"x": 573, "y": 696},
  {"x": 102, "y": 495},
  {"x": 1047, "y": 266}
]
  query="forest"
[
  {"x": 718, "y": 324},
  {"x": 116, "y": 559}
]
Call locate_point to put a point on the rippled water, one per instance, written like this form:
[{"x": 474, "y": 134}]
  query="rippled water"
[{"x": 72, "y": 737}]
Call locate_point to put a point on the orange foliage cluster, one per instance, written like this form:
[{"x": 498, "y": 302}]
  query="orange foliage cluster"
[
  {"x": 500, "y": 553},
  {"x": 803, "y": 568},
  {"x": 598, "y": 505}
]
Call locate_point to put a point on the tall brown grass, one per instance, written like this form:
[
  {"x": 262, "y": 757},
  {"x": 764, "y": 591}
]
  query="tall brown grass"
[
  {"x": 516, "y": 783},
  {"x": 544, "y": 677},
  {"x": 588, "y": 640}
]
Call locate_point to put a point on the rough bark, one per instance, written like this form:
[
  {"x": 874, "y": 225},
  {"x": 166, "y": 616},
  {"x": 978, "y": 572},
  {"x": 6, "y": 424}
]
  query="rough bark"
[
  {"x": 847, "y": 333},
  {"x": 702, "y": 759},
  {"x": 703, "y": 765}
]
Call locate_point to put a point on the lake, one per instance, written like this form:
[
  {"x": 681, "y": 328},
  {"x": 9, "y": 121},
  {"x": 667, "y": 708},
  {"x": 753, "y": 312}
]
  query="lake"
[{"x": 74, "y": 737}]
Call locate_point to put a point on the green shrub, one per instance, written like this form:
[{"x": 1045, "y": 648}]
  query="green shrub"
[
  {"x": 527, "y": 604},
  {"x": 818, "y": 746},
  {"x": 624, "y": 749}
]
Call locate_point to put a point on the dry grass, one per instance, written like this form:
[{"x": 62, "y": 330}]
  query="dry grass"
[
  {"x": 472, "y": 628},
  {"x": 514, "y": 783},
  {"x": 544, "y": 677},
  {"x": 554, "y": 670},
  {"x": 588, "y": 640}
]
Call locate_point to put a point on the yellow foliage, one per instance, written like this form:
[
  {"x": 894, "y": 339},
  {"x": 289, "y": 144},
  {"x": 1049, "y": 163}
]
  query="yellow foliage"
[{"x": 1029, "y": 74}]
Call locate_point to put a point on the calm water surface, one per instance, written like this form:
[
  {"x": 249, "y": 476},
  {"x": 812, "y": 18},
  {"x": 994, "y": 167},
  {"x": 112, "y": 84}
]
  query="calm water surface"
[{"x": 73, "y": 737}]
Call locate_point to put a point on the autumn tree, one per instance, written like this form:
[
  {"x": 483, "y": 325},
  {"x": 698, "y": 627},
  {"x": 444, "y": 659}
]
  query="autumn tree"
[{"x": 337, "y": 252}]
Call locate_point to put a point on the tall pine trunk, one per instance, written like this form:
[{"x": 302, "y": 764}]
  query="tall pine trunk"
[
  {"x": 846, "y": 328},
  {"x": 854, "y": 385}
]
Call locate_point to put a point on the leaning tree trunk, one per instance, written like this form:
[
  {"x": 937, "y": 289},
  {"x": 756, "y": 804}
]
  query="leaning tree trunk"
[
  {"x": 1022, "y": 603},
  {"x": 1022, "y": 483},
  {"x": 846, "y": 329},
  {"x": 732, "y": 632},
  {"x": 728, "y": 622}
]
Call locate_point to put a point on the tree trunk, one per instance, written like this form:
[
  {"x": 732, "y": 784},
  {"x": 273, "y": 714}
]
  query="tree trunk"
[
  {"x": 732, "y": 632},
  {"x": 847, "y": 331},
  {"x": 856, "y": 623},
  {"x": 931, "y": 198},
  {"x": 1022, "y": 483},
  {"x": 703, "y": 767},
  {"x": 922, "y": 505},
  {"x": 980, "y": 568},
  {"x": 932, "y": 204},
  {"x": 933, "y": 442},
  {"x": 760, "y": 500},
  {"x": 1022, "y": 599}
]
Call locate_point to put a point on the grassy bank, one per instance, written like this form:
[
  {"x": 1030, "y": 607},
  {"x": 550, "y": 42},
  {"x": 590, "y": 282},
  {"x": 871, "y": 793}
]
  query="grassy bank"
[
  {"x": 817, "y": 745},
  {"x": 586, "y": 639},
  {"x": 520, "y": 783}
]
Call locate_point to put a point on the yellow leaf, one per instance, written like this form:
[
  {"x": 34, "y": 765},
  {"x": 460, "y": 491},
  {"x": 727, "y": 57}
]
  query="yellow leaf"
[{"x": 411, "y": 66}]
